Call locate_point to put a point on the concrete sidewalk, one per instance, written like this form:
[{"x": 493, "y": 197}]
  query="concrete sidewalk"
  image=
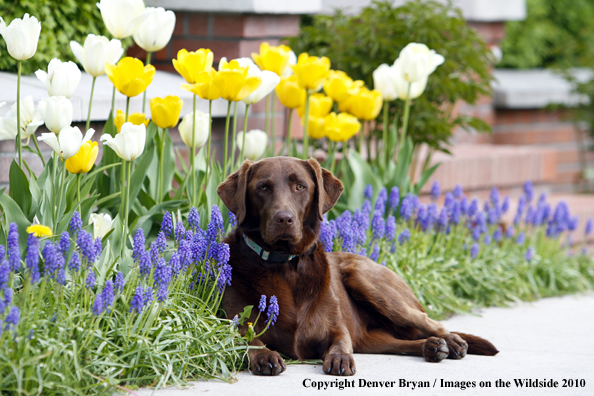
[{"x": 550, "y": 339}]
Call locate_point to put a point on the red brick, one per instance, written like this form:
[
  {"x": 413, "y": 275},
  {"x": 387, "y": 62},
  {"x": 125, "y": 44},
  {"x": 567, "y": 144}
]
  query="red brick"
[
  {"x": 228, "y": 25},
  {"x": 271, "y": 25},
  {"x": 180, "y": 20},
  {"x": 221, "y": 48},
  {"x": 197, "y": 24}
]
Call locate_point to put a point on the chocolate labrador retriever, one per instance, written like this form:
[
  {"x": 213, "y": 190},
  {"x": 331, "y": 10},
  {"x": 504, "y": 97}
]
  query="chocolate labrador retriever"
[{"x": 331, "y": 304}]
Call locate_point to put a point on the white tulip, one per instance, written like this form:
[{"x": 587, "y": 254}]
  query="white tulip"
[
  {"x": 68, "y": 142},
  {"x": 97, "y": 51},
  {"x": 292, "y": 62},
  {"x": 382, "y": 81},
  {"x": 129, "y": 143},
  {"x": 56, "y": 112},
  {"x": 61, "y": 78},
  {"x": 102, "y": 224},
  {"x": 417, "y": 61},
  {"x": 255, "y": 143},
  {"x": 155, "y": 31},
  {"x": 122, "y": 17},
  {"x": 201, "y": 131},
  {"x": 401, "y": 85},
  {"x": 21, "y": 36},
  {"x": 30, "y": 120}
]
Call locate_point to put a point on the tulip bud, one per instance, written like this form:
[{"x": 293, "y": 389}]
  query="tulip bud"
[
  {"x": 417, "y": 61},
  {"x": 155, "y": 31},
  {"x": 382, "y": 82},
  {"x": 290, "y": 94},
  {"x": 61, "y": 78},
  {"x": 185, "y": 127},
  {"x": 404, "y": 88},
  {"x": 68, "y": 142},
  {"x": 102, "y": 224},
  {"x": 21, "y": 36},
  {"x": 134, "y": 118},
  {"x": 256, "y": 142},
  {"x": 366, "y": 104},
  {"x": 97, "y": 51},
  {"x": 30, "y": 120},
  {"x": 129, "y": 143},
  {"x": 130, "y": 76},
  {"x": 122, "y": 17},
  {"x": 165, "y": 111},
  {"x": 56, "y": 112},
  {"x": 84, "y": 159}
]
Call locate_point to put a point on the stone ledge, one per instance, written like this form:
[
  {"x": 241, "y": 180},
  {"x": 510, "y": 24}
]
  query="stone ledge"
[
  {"x": 241, "y": 6},
  {"x": 472, "y": 10},
  {"x": 164, "y": 84},
  {"x": 535, "y": 89}
]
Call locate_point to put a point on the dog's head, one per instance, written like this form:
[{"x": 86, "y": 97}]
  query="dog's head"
[{"x": 281, "y": 198}]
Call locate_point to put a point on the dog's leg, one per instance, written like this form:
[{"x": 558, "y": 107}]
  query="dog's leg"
[
  {"x": 433, "y": 349},
  {"x": 393, "y": 299},
  {"x": 338, "y": 359},
  {"x": 264, "y": 361}
]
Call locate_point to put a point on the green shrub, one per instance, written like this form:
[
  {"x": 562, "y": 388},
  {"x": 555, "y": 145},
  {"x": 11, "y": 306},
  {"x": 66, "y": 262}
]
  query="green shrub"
[
  {"x": 556, "y": 33},
  {"x": 359, "y": 44},
  {"x": 61, "y": 22}
]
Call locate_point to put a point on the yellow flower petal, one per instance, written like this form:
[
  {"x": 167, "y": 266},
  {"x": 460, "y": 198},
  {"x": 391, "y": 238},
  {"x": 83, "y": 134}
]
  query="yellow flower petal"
[
  {"x": 130, "y": 76},
  {"x": 39, "y": 230},
  {"x": 84, "y": 159},
  {"x": 165, "y": 111}
]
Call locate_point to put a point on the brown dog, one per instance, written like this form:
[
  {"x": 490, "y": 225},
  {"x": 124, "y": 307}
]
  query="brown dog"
[{"x": 331, "y": 304}]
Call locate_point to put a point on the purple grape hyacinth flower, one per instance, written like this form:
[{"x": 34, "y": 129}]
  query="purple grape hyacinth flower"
[
  {"x": 194, "y": 218},
  {"x": 458, "y": 192},
  {"x": 13, "y": 251},
  {"x": 529, "y": 254},
  {"x": 166, "y": 225},
  {"x": 529, "y": 191},
  {"x": 378, "y": 225},
  {"x": 435, "y": 191},
  {"x": 391, "y": 228},
  {"x": 589, "y": 227},
  {"x": 75, "y": 223},
  {"x": 90, "y": 281},
  {"x": 12, "y": 318},
  {"x": 98, "y": 305},
  {"x": 64, "y": 242},
  {"x": 273, "y": 310},
  {"x": 137, "y": 302},
  {"x": 474, "y": 250},
  {"x": 119, "y": 281},
  {"x": 375, "y": 252},
  {"x": 404, "y": 236},
  {"x": 394, "y": 199},
  {"x": 262, "y": 304},
  {"x": 32, "y": 258},
  {"x": 368, "y": 192}
]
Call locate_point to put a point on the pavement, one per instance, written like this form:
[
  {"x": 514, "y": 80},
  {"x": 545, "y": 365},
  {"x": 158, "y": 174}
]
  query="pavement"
[{"x": 549, "y": 342}]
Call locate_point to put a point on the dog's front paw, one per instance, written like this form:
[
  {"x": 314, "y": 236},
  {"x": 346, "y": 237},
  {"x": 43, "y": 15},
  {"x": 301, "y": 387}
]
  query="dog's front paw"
[
  {"x": 336, "y": 364},
  {"x": 435, "y": 349},
  {"x": 456, "y": 345},
  {"x": 267, "y": 363}
]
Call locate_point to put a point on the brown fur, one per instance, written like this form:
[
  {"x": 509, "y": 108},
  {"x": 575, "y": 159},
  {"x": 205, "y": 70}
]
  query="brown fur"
[{"x": 331, "y": 304}]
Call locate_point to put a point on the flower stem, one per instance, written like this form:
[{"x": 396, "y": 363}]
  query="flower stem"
[
  {"x": 226, "y": 140},
  {"x": 90, "y": 103},
  {"x": 209, "y": 140},
  {"x": 273, "y": 123},
  {"x": 113, "y": 102},
  {"x": 78, "y": 190},
  {"x": 193, "y": 156},
  {"x": 387, "y": 149},
  {"x": 234, "y": 142},
  {"x": 127, "y": 107},
  {"x": 332, "y": 155},
  {"x": 39, "y": 151},
  {"x": 148, "y": 62},
  {"x": 405, "y": 120},
  {"x": 19, "y": 143},
  {"x": 290, "y": 142},
  {"x": 305, "y": 152},
  {"x": 267, "y": 119},
  {"x": 245, "y": 119},
  {"x": 161, "y": 154},
  {"x": 368, "y": 123}
]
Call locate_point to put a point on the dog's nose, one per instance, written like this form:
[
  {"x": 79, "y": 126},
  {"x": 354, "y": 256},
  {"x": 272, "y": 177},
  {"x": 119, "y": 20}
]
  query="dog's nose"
[{"x": 284, "y": 218}]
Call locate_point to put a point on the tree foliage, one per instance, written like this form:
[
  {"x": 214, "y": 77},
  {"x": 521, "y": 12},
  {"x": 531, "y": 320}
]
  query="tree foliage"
[
  {"x": 359, "y": 44},
  {"x": 61, "y": 22},
  {"x": 555, "y": 33}
]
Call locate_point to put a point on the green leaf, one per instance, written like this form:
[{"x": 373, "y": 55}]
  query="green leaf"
[
  {"x": 364, "y": 175},
  {"x": 19, "y": 188},
  {"x": 14, "y": 214}
]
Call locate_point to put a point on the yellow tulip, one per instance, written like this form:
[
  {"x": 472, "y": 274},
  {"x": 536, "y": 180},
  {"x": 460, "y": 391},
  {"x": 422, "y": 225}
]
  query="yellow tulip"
[
  {"x": 366, "y": 104},
  {"x": 311, "y": 71},
  {"x": 205, "y": 86},
  {"x": 272, "y": 58},
  {"x": 130, "y": 76},
  {"x": 191, "y": 64},
  {"x": 233, "y": 81},
  {"x": 290, "y": 94},
  {"x": 165, "y": 111},
  {"x": 316, "y": 128},
  {"x": 319, "y": 106},
  {"x": 339, "y": 86},
  {"x": 341, "y": 127},
  {"x": 83, "y": 161},
  {"x": 134, "y": 118},
  {"x": 39, "y": 230}
]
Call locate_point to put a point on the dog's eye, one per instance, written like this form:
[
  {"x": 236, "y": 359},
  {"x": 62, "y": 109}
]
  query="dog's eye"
[
  {"x": 263, "y": 188},
  {"x": 300, "y": 187}
]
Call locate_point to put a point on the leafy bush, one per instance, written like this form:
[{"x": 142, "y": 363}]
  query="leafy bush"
[
  {"x": 359, "y": 44},
  {"x": 555, "y": 33},
  {"x": 61, "y": 22}
]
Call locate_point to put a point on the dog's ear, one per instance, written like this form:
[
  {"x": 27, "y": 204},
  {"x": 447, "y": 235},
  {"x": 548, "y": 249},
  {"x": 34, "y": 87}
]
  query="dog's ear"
[
  {"x": 329, "y": 187},
  {"x": 233, "y": 191}
]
